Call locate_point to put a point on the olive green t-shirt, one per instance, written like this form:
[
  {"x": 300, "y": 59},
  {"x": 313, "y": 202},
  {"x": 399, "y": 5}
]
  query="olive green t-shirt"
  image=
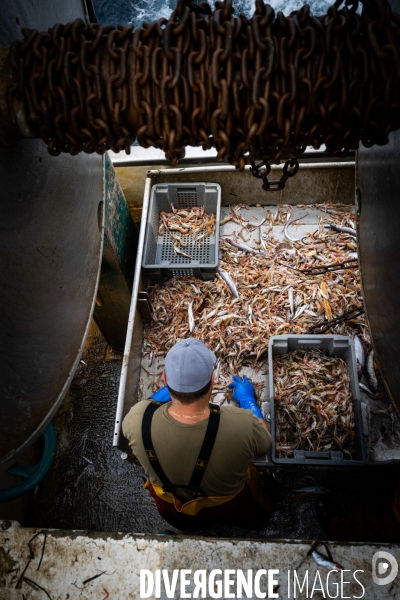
[{"x": 240, "y": 436}]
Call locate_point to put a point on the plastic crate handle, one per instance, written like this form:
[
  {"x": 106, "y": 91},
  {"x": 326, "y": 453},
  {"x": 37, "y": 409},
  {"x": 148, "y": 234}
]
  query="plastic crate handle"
[{"x": 311, "y": 454}]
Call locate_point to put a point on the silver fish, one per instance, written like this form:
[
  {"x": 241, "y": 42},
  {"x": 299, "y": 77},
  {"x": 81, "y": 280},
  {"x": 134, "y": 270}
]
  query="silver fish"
[
  {"x": 263, "y": 237},
  {"x": 341, "y": 229},
  {"x": 191, "y": 316},
  {"x": 211, "y": 314},
  {"x": 320, "y": 559},
  {"x": 325, "y": 561},
  {"x": 299, "y": 311},
  {"x": 360, "y": 355},
  {"x": 86, "y": 459},
  {"x": 373, "y": 382},
  {"x": 258, "y": 224},
  {"x": 226, "y": 277},
  {"x": 287, "y": 236},
  {"x": 365, "y": 388},
  {"x": 217, "y": 370},
  {"x": 291, "y": 300},
  {"x": 309, "y": 491},
  {"x": 166, "y": 313},
  {"x": 243, "y": 247}
]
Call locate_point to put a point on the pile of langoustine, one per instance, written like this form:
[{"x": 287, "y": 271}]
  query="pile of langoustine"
[
  {"x": 186, "y": 226},
  {"x": 260, "y": 291},
  {"x": 313, "y": 404}
]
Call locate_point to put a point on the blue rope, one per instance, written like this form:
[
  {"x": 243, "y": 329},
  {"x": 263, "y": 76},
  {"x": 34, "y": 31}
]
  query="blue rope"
[{"x": 32, "y": 475}]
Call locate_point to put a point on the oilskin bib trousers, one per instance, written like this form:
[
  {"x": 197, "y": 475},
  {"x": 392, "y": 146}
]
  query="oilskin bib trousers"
[{"x": 248, "y": 508}]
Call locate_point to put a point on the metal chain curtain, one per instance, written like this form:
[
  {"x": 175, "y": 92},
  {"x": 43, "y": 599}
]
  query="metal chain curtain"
[{"x": 259, "y": 89}]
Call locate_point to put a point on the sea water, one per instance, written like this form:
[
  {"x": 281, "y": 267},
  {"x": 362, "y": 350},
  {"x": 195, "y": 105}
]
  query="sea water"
[{"x": 112, "y": 12}]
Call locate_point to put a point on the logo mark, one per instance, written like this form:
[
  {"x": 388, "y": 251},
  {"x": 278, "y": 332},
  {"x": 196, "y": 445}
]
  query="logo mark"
[{"x": 381, "y": 561}]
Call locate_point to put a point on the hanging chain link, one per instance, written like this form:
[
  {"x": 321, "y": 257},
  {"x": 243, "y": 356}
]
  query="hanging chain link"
[
  {"x": 263, "y": 169},
  {"x": 258, "y": 89}
]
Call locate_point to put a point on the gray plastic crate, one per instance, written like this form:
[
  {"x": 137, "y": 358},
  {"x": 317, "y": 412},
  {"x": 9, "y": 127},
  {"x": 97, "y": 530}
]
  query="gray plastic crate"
[
  {"x": 159, "y": 259},
  {"x": 336, "y": 345}
]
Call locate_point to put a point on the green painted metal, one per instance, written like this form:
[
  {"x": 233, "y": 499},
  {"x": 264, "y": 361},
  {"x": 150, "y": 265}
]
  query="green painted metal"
[
  {"x": 119, "y": 227},
  {"x": 121, "y": 236}
]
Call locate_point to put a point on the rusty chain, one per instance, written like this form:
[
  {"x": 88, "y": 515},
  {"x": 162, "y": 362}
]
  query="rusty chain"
[{"x": 261, "y": 89}]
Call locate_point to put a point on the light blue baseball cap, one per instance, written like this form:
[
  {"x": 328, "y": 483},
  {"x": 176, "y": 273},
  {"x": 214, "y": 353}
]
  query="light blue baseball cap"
[{"x": 189, "y": 366}]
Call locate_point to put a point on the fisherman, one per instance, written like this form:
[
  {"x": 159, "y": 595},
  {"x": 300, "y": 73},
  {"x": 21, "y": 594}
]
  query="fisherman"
[{"x": 197, "y": 455}]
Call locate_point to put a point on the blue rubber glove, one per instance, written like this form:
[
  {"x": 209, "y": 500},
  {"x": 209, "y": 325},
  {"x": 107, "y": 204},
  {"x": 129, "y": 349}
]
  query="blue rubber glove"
[
  {"x": 161, "y": 395},
  {"x": 243, "y": 393}
]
